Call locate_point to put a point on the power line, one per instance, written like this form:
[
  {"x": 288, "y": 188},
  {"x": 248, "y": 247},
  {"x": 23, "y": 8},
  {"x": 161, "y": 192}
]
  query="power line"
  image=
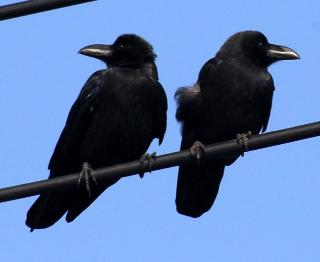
[
  {"x": 164, "y": 161},
  {"x": 35, "y": 6}
]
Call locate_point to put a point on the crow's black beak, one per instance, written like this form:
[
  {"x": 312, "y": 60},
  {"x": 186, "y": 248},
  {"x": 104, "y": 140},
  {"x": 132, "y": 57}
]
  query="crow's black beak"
[
  {"x": 278, "y": 52},
  {"x": 98, "y": 51}
]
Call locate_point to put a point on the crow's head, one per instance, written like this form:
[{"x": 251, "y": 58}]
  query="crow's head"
[
  {"x": 128, "y": 50},
  {"x": 254, "y": 46}
]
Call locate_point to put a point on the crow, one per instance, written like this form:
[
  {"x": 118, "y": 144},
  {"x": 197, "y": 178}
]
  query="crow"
[
  {"x": 117, "y": 114},
  {"x": 233, "y": 95}
]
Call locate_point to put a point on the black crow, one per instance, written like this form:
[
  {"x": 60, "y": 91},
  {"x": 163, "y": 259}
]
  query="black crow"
[
  {"x": 233, "y": 95},
  {"x": 117, "y": 114}
]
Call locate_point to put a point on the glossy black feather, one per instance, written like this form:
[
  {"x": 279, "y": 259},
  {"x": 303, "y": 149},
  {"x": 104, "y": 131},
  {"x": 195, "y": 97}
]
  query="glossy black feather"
[
  {"x": 233, "y": 95},
  {"x": 119, "y": 111}
]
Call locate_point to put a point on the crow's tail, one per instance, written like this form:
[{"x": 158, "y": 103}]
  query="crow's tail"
[
  {"x": 197, "y": 187},
  {"x": 47, "y": 210}
]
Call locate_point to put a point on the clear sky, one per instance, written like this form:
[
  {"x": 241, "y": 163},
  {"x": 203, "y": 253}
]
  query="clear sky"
[{"x": 268, "y": 207}]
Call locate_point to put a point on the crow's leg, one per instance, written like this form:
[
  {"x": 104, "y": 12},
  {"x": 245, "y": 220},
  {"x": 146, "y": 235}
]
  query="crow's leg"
[
  {"x": 86, "y": 177},
  {"x": 197, "y": 151},
  {"x": 243, "y": 139},
  {"x": 147, "y": 157}
]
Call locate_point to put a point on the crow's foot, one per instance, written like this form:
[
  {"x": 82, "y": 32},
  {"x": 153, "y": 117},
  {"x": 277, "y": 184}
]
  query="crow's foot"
[
  {"x": 197, "y": 151},
  {"x": 147, "y": 157},
  {"x": 243, "y": 139},
  {"x": 86, "y": 177}
]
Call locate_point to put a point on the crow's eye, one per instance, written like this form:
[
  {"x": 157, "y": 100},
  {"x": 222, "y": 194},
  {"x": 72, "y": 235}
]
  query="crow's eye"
[
  {"x": 121, "y": 46},
  {"x": 260, "y": 44}
]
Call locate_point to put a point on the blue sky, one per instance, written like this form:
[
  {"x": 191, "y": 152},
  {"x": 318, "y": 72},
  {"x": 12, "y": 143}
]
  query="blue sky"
[{"x": 268, "y": 208}]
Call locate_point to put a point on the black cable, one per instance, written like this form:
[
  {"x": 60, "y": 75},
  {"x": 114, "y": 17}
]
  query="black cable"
[
  {"x": 164, "y": 161},
  {"x": 35, "y": 6}
]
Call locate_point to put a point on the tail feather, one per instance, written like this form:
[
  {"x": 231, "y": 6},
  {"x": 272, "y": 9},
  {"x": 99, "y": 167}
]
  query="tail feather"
[
  {"x": 46, "y": 210},
  {"x": 197, "y": 187},
  {"x": 82, "y": 201},
  {"x": 50, "y": 207}
]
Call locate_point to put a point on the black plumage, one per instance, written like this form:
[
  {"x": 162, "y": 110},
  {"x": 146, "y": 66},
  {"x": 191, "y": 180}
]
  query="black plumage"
[
  {"x": 233, "y": 95},
  {"x": 117, "y": 114}
]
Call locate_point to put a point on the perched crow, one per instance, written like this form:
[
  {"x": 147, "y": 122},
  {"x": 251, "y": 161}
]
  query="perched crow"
[
  {"x": 117, "y": 114},
  {"x": 233, "y": 95}
]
